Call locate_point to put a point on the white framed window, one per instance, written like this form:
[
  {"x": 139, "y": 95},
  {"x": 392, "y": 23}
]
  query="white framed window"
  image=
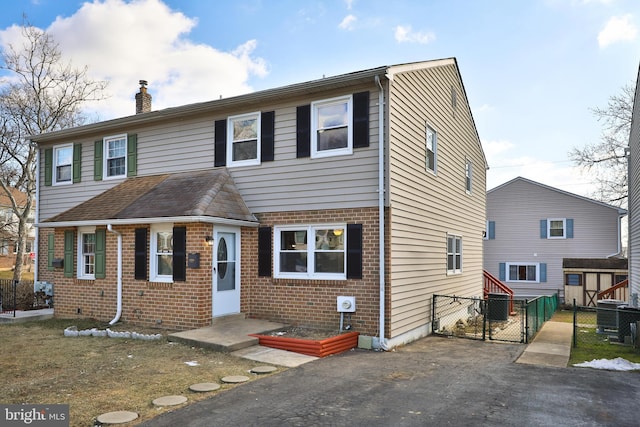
[
  {"x": 468, "y": 174},
  {"x": 161, "y": 257},
  {"x": 7, "y": 215},
  {"x": 523, "y": 272},
  {"x": 243, "y": 140},
  {"x": 311, "y": 252},
  {"x": 454, "y": 254},
  {"x": 431, "y": 138},
  {"x": 115, "y": 156},
  {"x": 556, "y": 228},
  {"x": 86, "y": 253},
  {"x": 62, "y": 164},
  {"x": 332, "y": 127},
  {"x": 4, "y": 247}
]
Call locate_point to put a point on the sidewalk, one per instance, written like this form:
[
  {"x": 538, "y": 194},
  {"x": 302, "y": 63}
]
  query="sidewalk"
[
  {"x": 550, "y": 347},
  {"x": 26, "y": 315}
]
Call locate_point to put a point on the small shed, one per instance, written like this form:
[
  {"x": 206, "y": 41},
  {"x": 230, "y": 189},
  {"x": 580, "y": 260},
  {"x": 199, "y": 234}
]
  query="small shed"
[{"x": 584, "y": 278}]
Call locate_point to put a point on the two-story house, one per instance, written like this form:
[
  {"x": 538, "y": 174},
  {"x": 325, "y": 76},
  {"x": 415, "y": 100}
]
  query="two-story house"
[
  {"x": 9, "y": 231},
  {"x": 272, "y": 204},
  {"x": 532, "y": 227}
]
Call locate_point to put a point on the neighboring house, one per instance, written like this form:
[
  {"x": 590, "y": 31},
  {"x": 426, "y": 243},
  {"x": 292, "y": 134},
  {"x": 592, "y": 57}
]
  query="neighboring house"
[
  {"x": 9, "y": 232},
  {"x": 634, "y": 198},
  {"x": 272, "y": 204},
  {"x": 532, "y": 227}
]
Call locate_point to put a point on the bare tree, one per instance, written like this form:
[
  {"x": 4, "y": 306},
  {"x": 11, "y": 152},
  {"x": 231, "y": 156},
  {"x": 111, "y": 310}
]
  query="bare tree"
[
  {"x": 40, "y": 92},
  {"x": 607, "y": 159}
]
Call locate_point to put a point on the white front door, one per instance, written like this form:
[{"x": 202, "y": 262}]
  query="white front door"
[{"x": 226, "y": 271}]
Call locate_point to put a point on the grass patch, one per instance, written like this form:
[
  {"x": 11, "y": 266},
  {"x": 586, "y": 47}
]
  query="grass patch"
[
  {"x": 591, "y": 345},
  {"x": 95, "y": 375},
  {"x": 8, "y": 274}
]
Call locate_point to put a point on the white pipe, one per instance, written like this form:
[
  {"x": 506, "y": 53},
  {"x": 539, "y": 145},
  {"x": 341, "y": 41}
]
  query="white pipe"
[
  {"x": 383, "y": 341},
  {"x": 119, "y": 305},
  {"x": 619, "y": 238},
  {"x": 36, "y": 218}
]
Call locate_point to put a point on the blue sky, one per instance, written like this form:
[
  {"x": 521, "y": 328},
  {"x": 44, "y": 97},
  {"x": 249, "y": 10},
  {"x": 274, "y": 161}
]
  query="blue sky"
[{"x": 532, "y": 69}]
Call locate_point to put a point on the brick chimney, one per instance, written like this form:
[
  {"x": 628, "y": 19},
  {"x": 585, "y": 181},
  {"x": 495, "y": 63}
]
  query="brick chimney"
[{"x": 143, "y": 99}]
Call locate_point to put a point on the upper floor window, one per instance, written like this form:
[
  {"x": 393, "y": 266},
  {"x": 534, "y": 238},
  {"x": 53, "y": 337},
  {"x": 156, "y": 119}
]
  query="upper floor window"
[
  {"x": 454, "y": 254},
  {"x": 432, "y": 148},
  {"x": 244, "y": 140},
  {"x": 86, "y": 252},
  {"x": 331, "y": 124},
  {"x": 115, "y": 156},
  {"x": 7, "y": 215},
  {"x": 556, "y": 228},
  {"x": 468, "y": 173},
  {"x": 161, "y": 259},
  {"x": 316, "y": 252},
  {"x": 63, "y": 160}
]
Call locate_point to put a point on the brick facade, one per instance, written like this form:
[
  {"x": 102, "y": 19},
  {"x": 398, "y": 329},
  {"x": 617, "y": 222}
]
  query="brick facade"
[{"x": 187, "y": 305}]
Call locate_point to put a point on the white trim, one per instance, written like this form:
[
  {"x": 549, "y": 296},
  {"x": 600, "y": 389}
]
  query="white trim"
[
  {"x": 455, "y": 270},
  {"x": 153, "y": 262},
  {"x": 249, "y": 162},
  {"x": 564, "y": 228},
  {"x": 430, "y": 129},
  {"x": 310, "y": 252},
  {"x": 105, "y": 165},
  {"x": 157, "y": 220},
  {"x": 80, "y": 254},
  {"x": 508, "y": 264},
  {"x": 54, "y": 166},
  {"x": 315, "y": 153}
]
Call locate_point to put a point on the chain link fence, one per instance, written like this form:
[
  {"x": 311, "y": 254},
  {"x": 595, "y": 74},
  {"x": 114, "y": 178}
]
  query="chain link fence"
[
  {"x": 610, "y": 322},
  {"x": 495, "y": 318}
]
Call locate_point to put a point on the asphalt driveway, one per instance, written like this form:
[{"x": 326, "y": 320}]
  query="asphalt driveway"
[{"x": 432, "y": 382}]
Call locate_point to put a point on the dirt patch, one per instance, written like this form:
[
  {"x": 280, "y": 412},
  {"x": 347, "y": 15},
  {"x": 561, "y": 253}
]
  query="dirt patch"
[{"x": 306, "y": 333}]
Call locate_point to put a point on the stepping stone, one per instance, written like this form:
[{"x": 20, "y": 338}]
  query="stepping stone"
[
  {"x": 203, "y": 387},
  {"x": 264, "y": 369},
  {"x": 234, "y": 379},
  {"x": 169, "y": 400},
  {"x": 117, "y": 417}
]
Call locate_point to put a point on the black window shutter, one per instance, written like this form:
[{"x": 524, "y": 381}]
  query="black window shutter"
[
  {"x": 264, "y": 251},
  {"x": 303, "y": 131},
  {"x": 267, "y": 129},
  {"x": 354, "y": 251},
  {"x": 220, "y": 143},
  {"x": 179, "y": 254},
  {"x": 140, "y": 256},
  {"x": 360, "y": 119}
]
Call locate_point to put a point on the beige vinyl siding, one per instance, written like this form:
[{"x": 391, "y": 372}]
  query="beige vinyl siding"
[
  {"x": 425, "y": 207},
  {"x": 517, "y": 208},
  {"x": 634, "y": 195},
  {"x": 286, "y": 184}
]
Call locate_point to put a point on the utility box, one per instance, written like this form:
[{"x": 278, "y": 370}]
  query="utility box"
[{"x": 346, "y": 304}]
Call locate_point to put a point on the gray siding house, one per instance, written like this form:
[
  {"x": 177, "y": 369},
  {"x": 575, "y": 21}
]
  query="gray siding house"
[
  {"x": 634, "y": 198},
  {"x": 532, "y": 227},
  {"x": 369, "y": 185}
]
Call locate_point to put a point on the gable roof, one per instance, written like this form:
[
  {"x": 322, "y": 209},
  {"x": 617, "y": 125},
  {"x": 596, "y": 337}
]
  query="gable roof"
[
  {"x": 19, "y": 196},
  {"x": 621, "y": 211},
  {"x": 204, "y": 196}
]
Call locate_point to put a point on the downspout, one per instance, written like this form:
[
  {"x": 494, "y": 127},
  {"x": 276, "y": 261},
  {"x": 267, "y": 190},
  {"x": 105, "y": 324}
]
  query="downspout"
[
  {"x": 619, "y": 238},
  {"x": 119, "y": 304},
  {"x": 36, "y": 219},
  {"x": 383, "y": 342}
]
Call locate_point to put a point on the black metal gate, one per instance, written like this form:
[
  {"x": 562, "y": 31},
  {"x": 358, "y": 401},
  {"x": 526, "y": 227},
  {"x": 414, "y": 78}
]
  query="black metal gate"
[{"x": 479, "y": 319}]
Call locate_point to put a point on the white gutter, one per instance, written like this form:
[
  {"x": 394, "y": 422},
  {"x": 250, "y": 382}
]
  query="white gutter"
[
  {"x": 383, "y": 341},
  {"x": 37, "y": 216},
  {"x": 119, "y": 305},
  {"x": 159, "y": 220}
]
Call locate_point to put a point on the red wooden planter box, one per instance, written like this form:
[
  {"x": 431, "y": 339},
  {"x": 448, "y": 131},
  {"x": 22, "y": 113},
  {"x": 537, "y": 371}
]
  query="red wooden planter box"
[{"x": 318, "y": 348}]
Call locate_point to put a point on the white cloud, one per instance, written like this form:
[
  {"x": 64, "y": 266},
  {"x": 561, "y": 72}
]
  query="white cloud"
[
  {"x": 405, "y": 34},
  {"x": 144, "y": 39},
  {"x": 617, "y": 28},
  {"x": 347, "y": 22}
]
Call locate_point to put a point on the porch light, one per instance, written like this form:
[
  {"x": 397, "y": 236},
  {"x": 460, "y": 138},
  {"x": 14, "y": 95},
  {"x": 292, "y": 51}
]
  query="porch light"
[{"x": 208, "y": 240}]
